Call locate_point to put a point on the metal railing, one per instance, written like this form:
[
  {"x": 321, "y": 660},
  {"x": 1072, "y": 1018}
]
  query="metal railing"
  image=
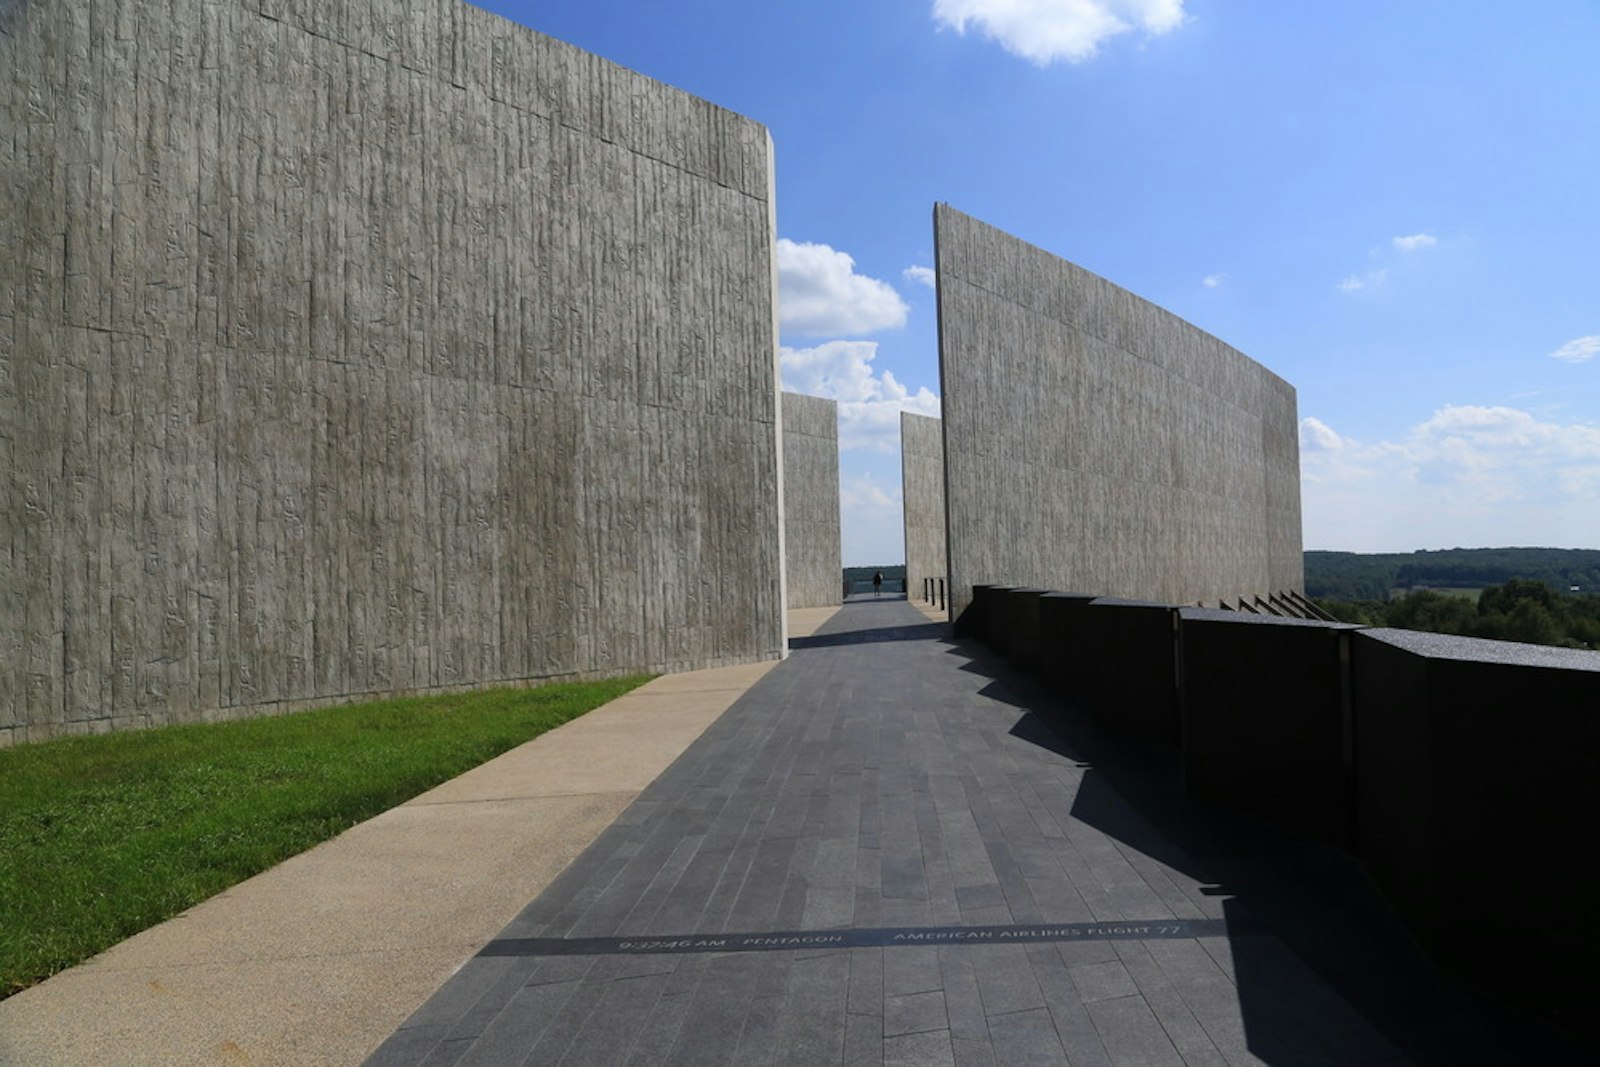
[{"x": 864, "y": 585}]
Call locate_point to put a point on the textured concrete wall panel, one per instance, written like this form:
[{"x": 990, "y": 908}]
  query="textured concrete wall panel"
[
  {"x": 922, "y": 493},
  {"x": 1097, "y": 443},
  {"x": 358, "y": 347},
  {"x": 811, "y": 500}
]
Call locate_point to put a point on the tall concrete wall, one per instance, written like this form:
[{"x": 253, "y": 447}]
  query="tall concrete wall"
[
  {"x": 811, "y": 501},
  {"x": 359, "y": 347},
  {"x": 922, "y": 491},
  {"x": 1097, "y": 443}
]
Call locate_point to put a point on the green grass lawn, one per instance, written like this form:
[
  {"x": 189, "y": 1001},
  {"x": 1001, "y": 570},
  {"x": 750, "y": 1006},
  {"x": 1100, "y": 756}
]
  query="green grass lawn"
[{"x": 104, "y": 836}]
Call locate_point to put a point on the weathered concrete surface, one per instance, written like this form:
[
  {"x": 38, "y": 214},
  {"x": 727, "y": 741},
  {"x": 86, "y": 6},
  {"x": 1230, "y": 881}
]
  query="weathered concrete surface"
[
  {"x": 922, "y": 490},
  {"x": 365, "y": 347},
  {"x": 320, "y": 958},
  {"x": 811, "y": 501},
  {"x": 1097, "y": 443}
]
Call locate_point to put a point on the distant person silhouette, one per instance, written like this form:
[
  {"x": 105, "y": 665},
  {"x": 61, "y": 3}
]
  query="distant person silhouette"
[{"x": 877, "y": 582}]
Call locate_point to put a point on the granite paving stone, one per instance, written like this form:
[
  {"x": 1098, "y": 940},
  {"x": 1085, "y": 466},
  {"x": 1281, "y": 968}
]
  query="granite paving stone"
[
  {"x": 866, "y": 982},
  {"x": 1005, "y": 979},
  {"x": 963, "y": 1004},
  {"x": 515, "y": 1029},
  {"x": 566, "y": 1022},
  {"x": 915, "y": 1013},
  {"x": 1183, "y": 1029},
  {"x": 608, "y": 1034},
  {"x": 928, "y": 1049},
  {"x": 1026, "y": 1037},
  {"x": 448, "y": 1053},
  {"x": 1102, "y": 981},
  {"x": 863, "y": 1039},
  {"x": 459, "y": 999},
  {"x": 660, "y": 1030},
  {"x": 1205, "y": 990},
  {"x": 758, "y": 1039},
  {"x": 911, "y": 970},
  {"x": 1074, "y": 1029},
  {"x": 503, "y": 983},
  {"x": 711, "y": 1029},
  {"x": 969, "y": 1052},
  {"x": 887, "y": 778},
  {"x": 812, "y": 1027},
  {"x": 1131, "y": 1033}
]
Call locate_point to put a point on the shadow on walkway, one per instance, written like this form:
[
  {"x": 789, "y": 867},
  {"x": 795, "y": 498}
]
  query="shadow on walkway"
[
  {"x": 892, "y": 849},
  {"x": 922, "y": 632},
  {"x": 1315, "y": 899}
]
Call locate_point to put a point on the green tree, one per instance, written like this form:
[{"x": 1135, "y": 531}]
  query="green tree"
[
  {"x": 1433, "y": 612},
  {"x": 1505, "y": 598},
  {"x": 1532, "y": 623},
  {"x": 1584, "y": 629}
]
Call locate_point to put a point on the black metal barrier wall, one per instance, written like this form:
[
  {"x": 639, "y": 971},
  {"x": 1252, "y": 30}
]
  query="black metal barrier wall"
[{"x": 1464, "y": 774}]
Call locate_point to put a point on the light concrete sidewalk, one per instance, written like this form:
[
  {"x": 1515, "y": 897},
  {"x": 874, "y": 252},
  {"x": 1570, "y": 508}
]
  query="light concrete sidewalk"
[
  {"x": 930, "y": 612},
  {"x": 318, "y": 960}
]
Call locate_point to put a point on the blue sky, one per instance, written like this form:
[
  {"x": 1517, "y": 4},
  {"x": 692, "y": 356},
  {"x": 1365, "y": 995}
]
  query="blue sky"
[{"x": 1392, "y": 205}]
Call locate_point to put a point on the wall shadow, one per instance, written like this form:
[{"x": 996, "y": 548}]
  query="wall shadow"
[
  {"x": 875, "y": 635},
  {"x": 1306, "y": 918}
]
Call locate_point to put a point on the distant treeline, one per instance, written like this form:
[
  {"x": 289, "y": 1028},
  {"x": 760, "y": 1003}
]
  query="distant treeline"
[
  {"x": 1519, "y": 610},
  {"x": 1378, "y": 576}
]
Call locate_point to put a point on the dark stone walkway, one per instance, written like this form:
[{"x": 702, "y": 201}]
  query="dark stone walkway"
[{"x": 1019, "y": 894}]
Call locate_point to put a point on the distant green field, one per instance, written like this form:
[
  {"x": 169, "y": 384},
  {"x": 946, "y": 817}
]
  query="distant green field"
[{"x": 1466, "y": 593}]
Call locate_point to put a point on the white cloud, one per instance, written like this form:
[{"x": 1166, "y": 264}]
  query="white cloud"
[
  {"x": 1469, "y": 475},
  {"x": 1581, "y": 350},
  {"x": 1043, "y": 31},
  {"x": 820, "y": 294},
  {"x": 921, "y": 275},
  {"x": 1415, "y": 242},
  {"x": 1213, "y": 281},
  {"x": 1316, "y": 435},
  {"x": 1370, "y": 280},
  {"x": 1378, "y": 277},
  {"x": 869, "y": 404},
  {"x": 872, "y": 522}
]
